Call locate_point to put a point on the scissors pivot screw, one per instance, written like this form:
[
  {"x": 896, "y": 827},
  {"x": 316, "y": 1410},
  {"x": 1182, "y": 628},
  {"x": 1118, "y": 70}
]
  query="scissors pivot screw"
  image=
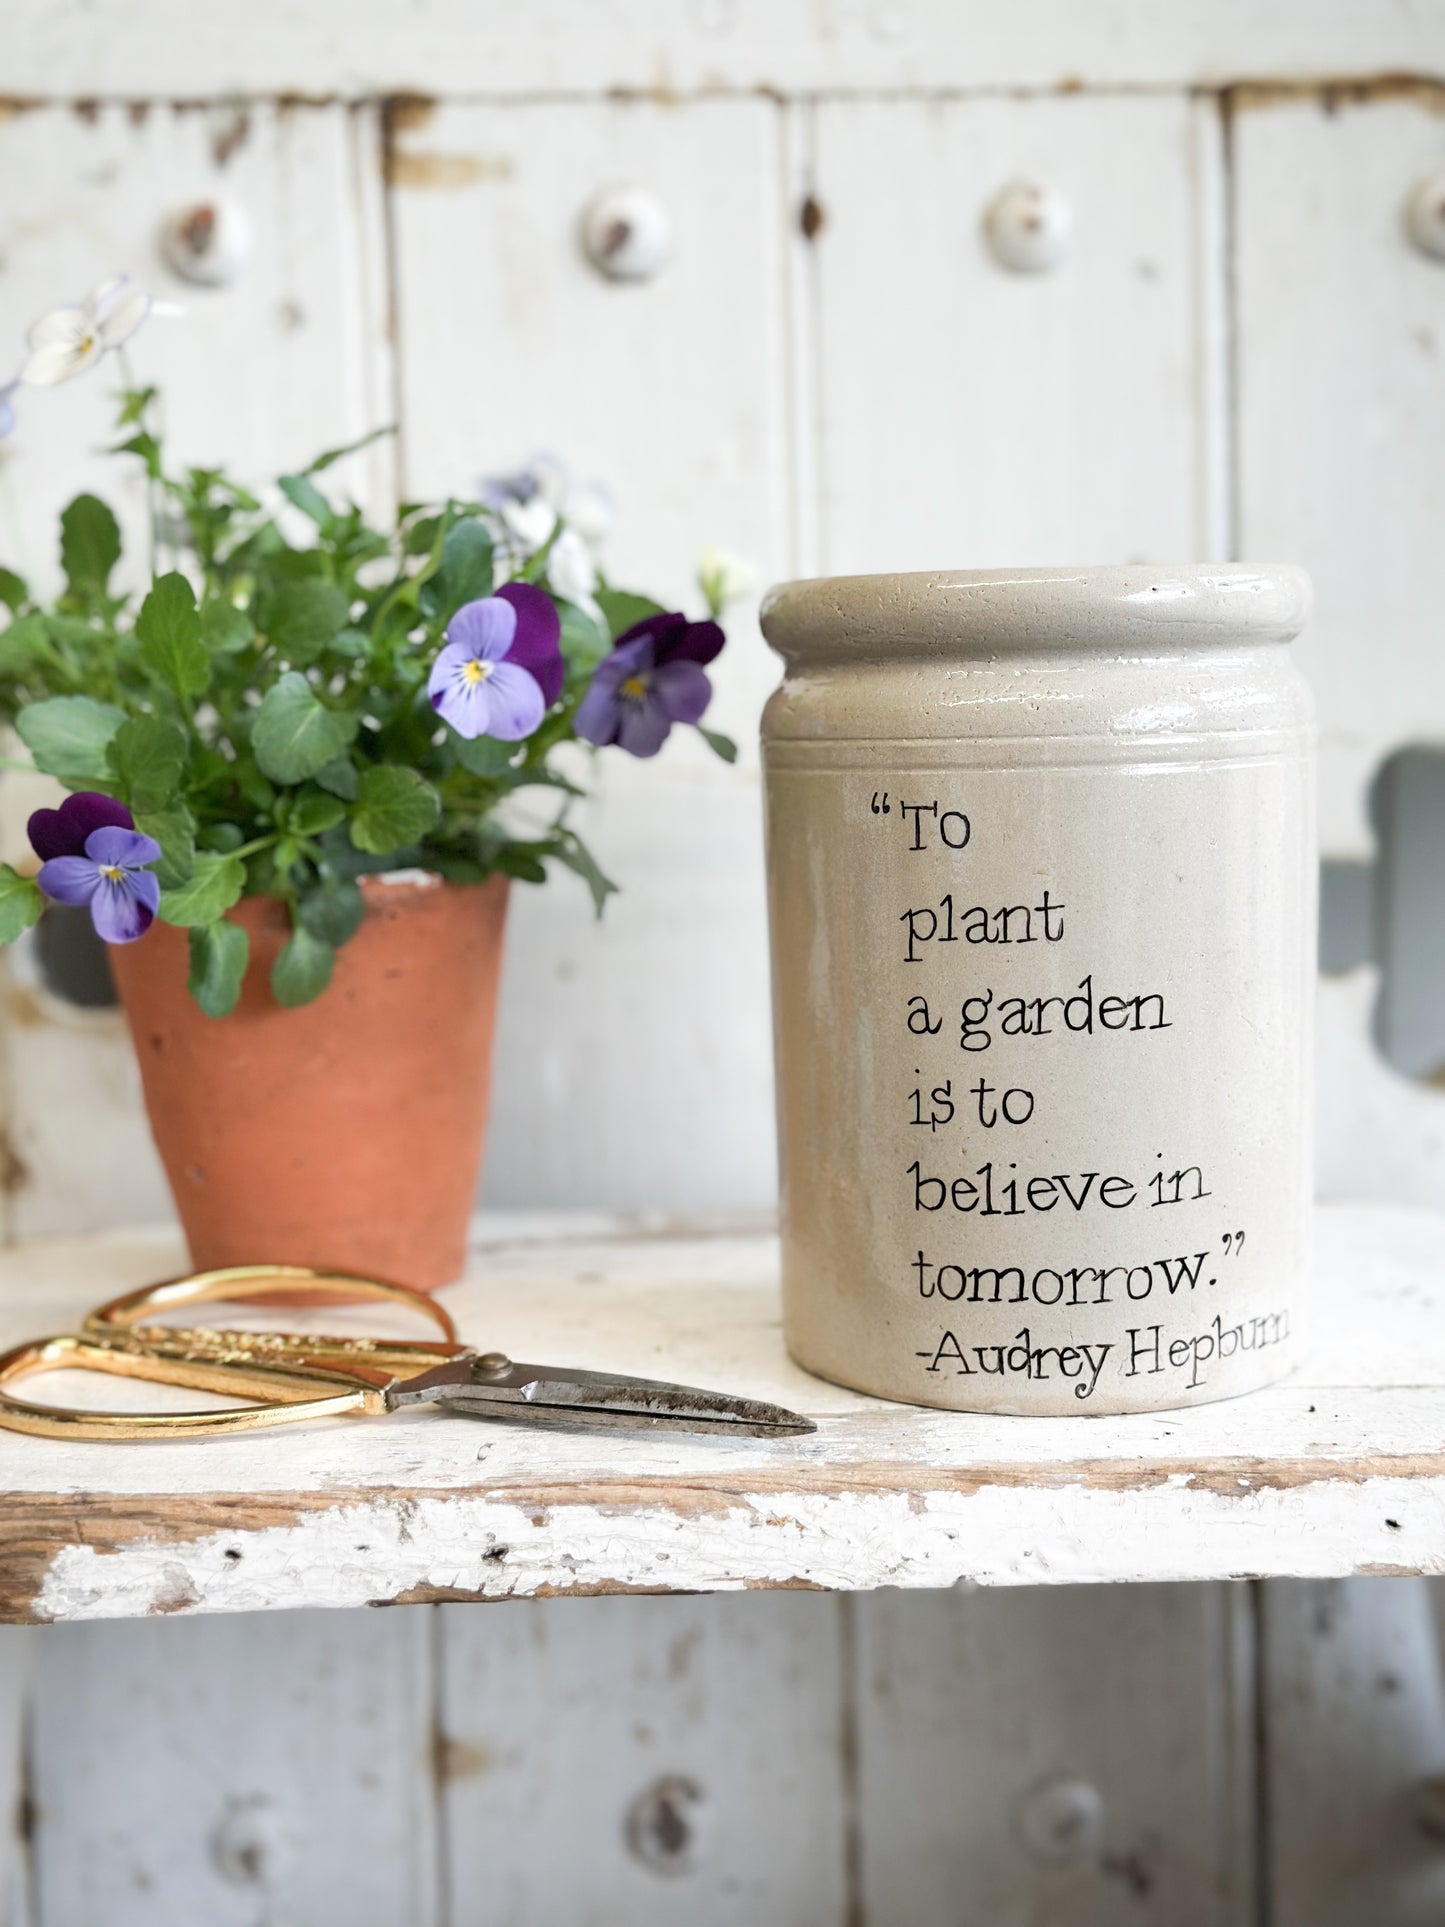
[{"x": 491, "y": 1365}]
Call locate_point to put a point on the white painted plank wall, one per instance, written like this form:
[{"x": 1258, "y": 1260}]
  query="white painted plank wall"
[
  {"x": 647, "y": 1761},
  {"x": 971, "y": 416},
  {"x": 246, "y": 1774},
  {"x": 1355, "y": 1739}
]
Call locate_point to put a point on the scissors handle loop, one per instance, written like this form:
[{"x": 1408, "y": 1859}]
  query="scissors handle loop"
[
  {"x": 279, "y": 1281},
  {"x": 288, "y": 1378}
]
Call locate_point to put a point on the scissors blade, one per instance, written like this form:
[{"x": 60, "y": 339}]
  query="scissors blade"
[{"x": 492, "y": 1386}]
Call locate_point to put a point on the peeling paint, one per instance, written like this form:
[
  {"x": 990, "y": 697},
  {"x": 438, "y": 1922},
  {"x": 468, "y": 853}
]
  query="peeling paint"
[{"x": 429, "y": 1547}]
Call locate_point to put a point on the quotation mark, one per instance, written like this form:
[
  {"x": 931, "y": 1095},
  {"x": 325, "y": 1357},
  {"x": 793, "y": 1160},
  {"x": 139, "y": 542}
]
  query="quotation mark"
[
  {"x": 1233, "y": 1242},
  {"x": 880, "y": 806}
]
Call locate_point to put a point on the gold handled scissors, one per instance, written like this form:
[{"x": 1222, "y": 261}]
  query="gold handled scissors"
[{"x": 291, "y": 1377}]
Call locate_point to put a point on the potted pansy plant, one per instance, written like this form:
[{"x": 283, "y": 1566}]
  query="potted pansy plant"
[{"x": 293, "y": 766}]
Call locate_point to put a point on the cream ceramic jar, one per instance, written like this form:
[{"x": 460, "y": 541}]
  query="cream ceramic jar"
[{"x": 1042, "y": 887}]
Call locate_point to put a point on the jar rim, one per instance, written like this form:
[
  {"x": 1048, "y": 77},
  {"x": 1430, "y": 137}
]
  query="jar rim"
[{"x": 1171, "y": 607}]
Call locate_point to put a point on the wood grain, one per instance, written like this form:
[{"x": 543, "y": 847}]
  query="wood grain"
[{"x": 1340, "y": 1471}]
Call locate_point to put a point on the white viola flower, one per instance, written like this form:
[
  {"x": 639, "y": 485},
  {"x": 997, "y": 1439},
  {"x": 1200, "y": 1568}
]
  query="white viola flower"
[
  {"x": 572, "y": 572},
  {"x": 587, "y": 508},
  {"x": 67, "y": 341},
  {"x": 724, "y": 578},
  {"x": 529, "y": 523},
  {"x": 547, "y": 475}
]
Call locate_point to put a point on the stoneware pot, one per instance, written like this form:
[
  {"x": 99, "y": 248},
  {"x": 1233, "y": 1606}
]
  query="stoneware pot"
[
  {"x": 347, "y": 1133},
  {"x": 1042, "y": 890}
]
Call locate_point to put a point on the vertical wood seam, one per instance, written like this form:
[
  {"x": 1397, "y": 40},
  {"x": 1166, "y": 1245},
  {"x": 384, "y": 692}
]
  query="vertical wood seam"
[
  {"x": 1263, "y": 1910},
  {"x": 1231, "y": 415},
  {"x": 436, "y": 1779},
  {"x": 854, "y": 1908}
]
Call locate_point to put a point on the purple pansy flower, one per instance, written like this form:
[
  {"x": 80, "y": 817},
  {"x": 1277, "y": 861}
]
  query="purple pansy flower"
[
  {"x": 95, "y": 856},
  {"x": 63, "y": 832},
  {"x": 501, "y": 669},
  {"x": 652, "y": 679}
]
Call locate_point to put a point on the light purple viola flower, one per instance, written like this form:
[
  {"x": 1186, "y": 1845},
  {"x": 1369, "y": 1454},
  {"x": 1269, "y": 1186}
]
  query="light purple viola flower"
[
  {"x": 652, "y": 679},
  {"x": 110, "y": 880},
  {"x": 501, "y": 669},
  {"x": 63, "y": 832}
]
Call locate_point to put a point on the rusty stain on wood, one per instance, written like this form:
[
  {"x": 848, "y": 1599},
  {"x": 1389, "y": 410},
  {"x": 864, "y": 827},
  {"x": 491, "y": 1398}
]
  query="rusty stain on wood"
[
  {"x": 229, "y": 135},
  {"x": 409, "y": 167},
  {"x": 14, "y": 1171},
  {"x": 1423, "y": 90},
  {"x": 453, "y": 1759}
]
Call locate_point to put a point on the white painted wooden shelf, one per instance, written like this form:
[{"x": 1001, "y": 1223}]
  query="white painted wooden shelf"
[{"x": 1341, "y": 1470}]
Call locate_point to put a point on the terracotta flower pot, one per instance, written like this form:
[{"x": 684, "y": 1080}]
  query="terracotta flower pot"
[{"x": 347, "y": 1133}]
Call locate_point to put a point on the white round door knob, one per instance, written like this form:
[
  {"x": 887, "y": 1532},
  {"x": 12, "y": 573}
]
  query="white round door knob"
[
  {"x": 627, "y": 233},
  {"x": 208, "y": 243},
  {"x": 1060, "y": 1820},
  {"x": 1028, "y": 227},
  {"x": 1425, "y": 216}
]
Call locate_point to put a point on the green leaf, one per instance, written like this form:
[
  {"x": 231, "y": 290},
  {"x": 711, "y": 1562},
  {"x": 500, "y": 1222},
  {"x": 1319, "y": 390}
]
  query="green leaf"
[
  {"x": 484, "y": 755},
  {"x": 583, "y": 644},
  {"x": 572, "y": 851},
  {"x": 175, "y": 830},
  {"x": 623, "y": 610},
  {"x": 302, "y": 970},
  {"x": 253, "y": 785},
  {"x": 216, "y": 883},
  {"x": 295, "y": 735},
  {"x": 20, "y": 903},
  {"x": 89, "y": 545},
  {"x": 26, "y": 644},
  {"x": 68, "y": 736},
  {"x": 148, "y": 755},
  {"x": 224, "y": 837},
  {"x": 168, "y": 630},
  {"x": 13, "y": 589},
  {"x": 313, "y": 812},
  {"x": 219, "y": 954},
  {"x": 225, "y": 629},
  {"x": 465, "y": 573},
  {"x": 515, "y": 860},
  {"x": 719, "y": 744},
  {"x": 303, "y": 617},
  {"x": 394, "y": 808},
  {"x": 332, "y": 913},
  {"x": 339, "y": 776},
  {"x": 348, "y": 448},
  {"x": 306, "y": 496}
]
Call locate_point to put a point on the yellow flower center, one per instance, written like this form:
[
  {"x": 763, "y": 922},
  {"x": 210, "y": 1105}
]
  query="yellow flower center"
[
  {"x": 635, "y": 688},
  {"x": 112, "y": 872},
  {"x": 475, "y": 672}
]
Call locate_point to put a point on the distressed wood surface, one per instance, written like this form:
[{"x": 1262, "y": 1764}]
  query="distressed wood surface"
[
  {"x": 166, "y": 46},
  {"x": 1022, "y": 418},
  {"x": 1341, "y": 414},
  {"x": 1355, "y": 1739},
  {"x": 691, "y": 1752},
  {"x": 1341, "y": 1470},
  {"x": 236, "y": 1773},
  {"x": 1027, "y": 1757}
]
